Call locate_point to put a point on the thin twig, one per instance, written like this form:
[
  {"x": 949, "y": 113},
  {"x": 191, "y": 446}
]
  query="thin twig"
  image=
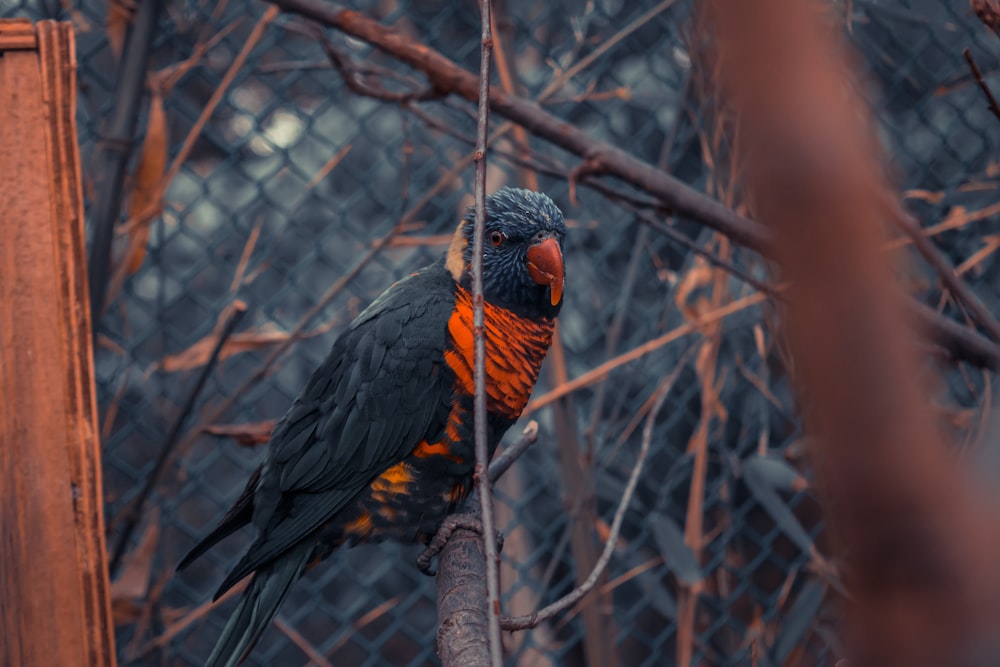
[
  {"x": 216, "y": 412},
  {"x": 641, "y": 240},
  {"x": 479, "y": 335},
  {"x": 944, "y": 269},
  {"x": 355, "y": 78},
  {"x": 531, "y": 620},
  {"x": 303, "y": 643},
  {"x": 156, "y": 205},
  {"x": 134, "y": 513},
  {"x": 507, "y": 457},
  {"x": 993, "y": 106},
  {"x": 603, "y": 370},
  {"x": 715, "y": 260},
  {"x": 218, "y": 94}
]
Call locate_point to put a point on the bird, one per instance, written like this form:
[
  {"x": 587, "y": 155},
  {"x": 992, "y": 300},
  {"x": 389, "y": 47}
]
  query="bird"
[{"x": 380, "y": 443}]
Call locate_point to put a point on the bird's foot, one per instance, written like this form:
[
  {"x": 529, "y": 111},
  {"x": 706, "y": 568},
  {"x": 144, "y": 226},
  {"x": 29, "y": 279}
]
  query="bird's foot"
[{"x": 450, "y": 524}]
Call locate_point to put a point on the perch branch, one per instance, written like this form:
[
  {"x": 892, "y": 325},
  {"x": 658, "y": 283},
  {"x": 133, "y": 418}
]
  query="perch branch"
[{"x": 461, "y": 596}]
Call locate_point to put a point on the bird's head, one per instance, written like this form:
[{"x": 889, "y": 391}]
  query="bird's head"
[{"x": 523, "y": 269}]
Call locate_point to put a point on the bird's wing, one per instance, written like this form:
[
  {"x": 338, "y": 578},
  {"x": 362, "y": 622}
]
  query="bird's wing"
[{"x": 382, "y": 390}]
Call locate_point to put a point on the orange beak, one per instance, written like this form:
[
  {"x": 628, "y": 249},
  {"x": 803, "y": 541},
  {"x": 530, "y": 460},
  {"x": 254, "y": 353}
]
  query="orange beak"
[{"x": 545, "y": 265}]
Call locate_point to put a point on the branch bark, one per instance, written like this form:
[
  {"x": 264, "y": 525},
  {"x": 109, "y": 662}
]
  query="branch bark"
[
  {"x": 960, "y": 342},
  {"x": 462, "y": 597}
]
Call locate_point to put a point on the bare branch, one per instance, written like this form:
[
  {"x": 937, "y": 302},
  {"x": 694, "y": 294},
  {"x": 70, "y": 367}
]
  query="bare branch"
[
  {"x": 134, "y": 514},
  {"x": 461, "y": 595},
  {"x": 356, "y": 80},
  {"x": 974, "y": 68},
  {"x": 507, "y": 457},
  {"x": 532, "y": 620},
  {"x": 944, "y": 269}
]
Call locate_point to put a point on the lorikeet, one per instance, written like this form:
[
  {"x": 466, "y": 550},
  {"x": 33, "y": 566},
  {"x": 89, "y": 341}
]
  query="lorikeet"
[{"x": 380, "y": 443}]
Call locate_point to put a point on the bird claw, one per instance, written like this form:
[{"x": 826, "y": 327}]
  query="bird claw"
[{"x": 450, "y": 524}]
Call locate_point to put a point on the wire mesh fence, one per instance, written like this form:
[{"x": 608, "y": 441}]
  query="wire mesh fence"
[{"x": 304, "y": 199}]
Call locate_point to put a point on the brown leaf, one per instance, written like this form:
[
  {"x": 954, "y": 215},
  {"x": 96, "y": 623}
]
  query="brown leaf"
[
  {"x": 125, "y": 611},
  {"x": 699, "y": 275},
  {"x": 256, "y": 433},
  {"x": 120, "y": 15},
  {"x": 988, "y": 12},
  {"x": 197, "y": 355},
  {"x": 133, "y": 583},
  {"x": 148, "y": 181},
  {"x": 929, "y": 196}
]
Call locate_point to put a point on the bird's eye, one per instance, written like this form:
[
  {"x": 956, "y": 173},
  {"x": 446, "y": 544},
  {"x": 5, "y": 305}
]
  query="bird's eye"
[{"x": 496, "y": 238}]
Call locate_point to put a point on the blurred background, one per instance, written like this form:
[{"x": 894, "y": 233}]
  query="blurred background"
[{"x": 288, "y": 191}]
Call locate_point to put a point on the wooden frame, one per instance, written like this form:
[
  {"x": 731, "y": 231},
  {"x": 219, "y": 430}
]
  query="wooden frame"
[{"x": 54, "y": 602}]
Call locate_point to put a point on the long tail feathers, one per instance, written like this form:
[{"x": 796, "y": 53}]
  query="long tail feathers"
[{"x": 258, "y": 606}]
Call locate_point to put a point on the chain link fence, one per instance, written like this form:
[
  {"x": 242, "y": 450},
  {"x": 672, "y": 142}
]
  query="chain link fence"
[{"x": 290, "y": 185}]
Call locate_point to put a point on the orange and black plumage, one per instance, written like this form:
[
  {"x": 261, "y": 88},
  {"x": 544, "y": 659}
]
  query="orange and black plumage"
[{"x": 379, "y": 445}]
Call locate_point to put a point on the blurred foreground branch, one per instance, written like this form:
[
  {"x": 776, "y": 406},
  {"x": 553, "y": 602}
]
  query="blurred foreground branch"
[
  {"x": 919, "y": 544},
  {"x": 600, "y": 157}
]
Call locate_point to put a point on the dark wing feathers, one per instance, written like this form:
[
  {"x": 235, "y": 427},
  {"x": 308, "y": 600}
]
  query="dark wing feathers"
[
  {"x": 383, "y": 376},
  {"x": 238, "y": 516}
]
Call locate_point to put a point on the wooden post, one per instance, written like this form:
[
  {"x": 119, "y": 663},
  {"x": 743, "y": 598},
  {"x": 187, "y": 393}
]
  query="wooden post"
[{"x": 54, "y": 602}]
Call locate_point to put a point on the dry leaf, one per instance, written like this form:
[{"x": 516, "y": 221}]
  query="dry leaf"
[
  {"x": 197, "y": 355},
  {"x": 928, "y": 196},
  {"x": 120, "y": 15},
  {"x": 148, "y": 180},
  {"x": 125, "y": 611},
  {"x": 988, "y": 12},
  {"x": 604, "y": 533},
  {"x": 699, "y": 275},
  {"x": 133, "y": 583},
  {"x": 990, "y": 245},
  {"x": 256, "y": 433}
]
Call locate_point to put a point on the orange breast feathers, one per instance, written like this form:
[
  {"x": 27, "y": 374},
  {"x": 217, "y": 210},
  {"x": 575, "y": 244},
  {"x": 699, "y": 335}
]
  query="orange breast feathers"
[{"x": 515, "y": 349}]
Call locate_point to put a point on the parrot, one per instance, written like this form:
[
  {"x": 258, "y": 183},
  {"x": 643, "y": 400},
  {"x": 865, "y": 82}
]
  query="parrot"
[{"x": 380, "y": 443}]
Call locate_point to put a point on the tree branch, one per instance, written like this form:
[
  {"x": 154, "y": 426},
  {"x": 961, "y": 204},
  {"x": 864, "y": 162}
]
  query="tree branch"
[
  {"x": 134, "y": 513},
  {"x": 117, "y": 145},
  {"x": 461, "y": 596},
  {"x": 446, "y": 76},
  {"x": 974, "y": 68}
]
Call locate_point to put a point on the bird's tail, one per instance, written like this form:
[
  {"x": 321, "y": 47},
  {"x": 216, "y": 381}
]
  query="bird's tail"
[{"x": 259, "y": 604}]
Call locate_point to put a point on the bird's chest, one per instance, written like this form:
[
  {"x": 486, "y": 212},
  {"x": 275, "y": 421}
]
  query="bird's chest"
[
  {"x": 408, "y": 500},
  {"x": 515, "y": 349}
]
